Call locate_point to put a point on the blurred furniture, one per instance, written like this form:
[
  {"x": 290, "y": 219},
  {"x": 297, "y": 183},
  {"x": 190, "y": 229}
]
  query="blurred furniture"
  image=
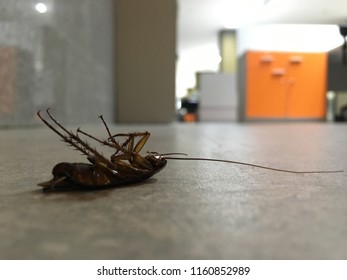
[
  {"x": 218, "y": 97},
  {"x": 283, "y": 85},
  {"x": 189, "y": 110},
  {"x": 337, "y": 83}
]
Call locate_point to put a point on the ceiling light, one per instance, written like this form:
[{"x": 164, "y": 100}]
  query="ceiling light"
[{"x": 41, "y": 8}]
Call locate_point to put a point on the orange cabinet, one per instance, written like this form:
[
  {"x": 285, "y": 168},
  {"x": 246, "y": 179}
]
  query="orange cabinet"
[{"x": 285, "y": 85}]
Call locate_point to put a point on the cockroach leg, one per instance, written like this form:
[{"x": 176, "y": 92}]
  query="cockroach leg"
[
  {"x": 106, "y": 126},
  {"x": 74, "y": 140},
  {"x": 129, "y": 152},
  {"x": 130, "y": 142},
  {"x": 103, "y": 142}
]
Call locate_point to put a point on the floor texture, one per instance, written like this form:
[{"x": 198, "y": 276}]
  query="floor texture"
[{"x": 190, "y": 210}]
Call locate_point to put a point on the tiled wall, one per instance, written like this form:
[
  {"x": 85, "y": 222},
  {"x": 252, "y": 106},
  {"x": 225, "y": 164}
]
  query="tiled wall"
[{"x": 61, "y": 59}]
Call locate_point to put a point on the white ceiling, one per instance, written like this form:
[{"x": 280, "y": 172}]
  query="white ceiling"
[{"x": 200, "y": 20}]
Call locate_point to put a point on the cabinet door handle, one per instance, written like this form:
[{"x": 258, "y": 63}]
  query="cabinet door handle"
[
  {"x": 291, "y": 81},
  {"x": 296, "y": 59},
  {"x": 266, "y": 58},
  {"x": 278, "y": 71}
]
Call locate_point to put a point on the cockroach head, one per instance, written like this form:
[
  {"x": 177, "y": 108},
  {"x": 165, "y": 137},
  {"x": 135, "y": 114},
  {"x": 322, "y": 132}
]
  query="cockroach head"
[{"x": 157, "y": 161}]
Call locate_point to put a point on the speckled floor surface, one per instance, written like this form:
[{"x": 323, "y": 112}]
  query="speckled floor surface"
[{"x": 191, "y": 210}]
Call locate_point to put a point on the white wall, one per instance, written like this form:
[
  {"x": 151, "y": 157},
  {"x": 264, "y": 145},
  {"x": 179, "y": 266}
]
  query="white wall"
[
  {"x": 289, "y": 37},
  {"x": 202, "y": 58},
  {"x": 64, "y": 59}
]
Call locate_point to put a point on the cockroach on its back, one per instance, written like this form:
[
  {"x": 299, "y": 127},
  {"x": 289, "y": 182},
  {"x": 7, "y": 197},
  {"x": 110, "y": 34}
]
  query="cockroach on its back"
[{"x": 125, "y": 166}]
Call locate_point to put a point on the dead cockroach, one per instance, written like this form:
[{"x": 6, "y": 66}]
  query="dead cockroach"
[{"x": 125, "y": 166}]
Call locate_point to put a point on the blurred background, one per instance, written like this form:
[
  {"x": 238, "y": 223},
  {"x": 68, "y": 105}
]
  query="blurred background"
[{"x": 159, "y": 61}]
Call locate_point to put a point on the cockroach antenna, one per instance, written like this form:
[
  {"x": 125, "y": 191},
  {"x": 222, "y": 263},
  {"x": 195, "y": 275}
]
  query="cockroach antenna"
[{"x": 250, "y": 164}]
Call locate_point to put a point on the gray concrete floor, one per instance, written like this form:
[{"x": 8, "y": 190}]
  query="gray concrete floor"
[{"x": 191, "y": 210}]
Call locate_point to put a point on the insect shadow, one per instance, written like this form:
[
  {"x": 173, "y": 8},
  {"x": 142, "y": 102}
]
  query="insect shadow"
[{"x": 124, "y": 167}]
